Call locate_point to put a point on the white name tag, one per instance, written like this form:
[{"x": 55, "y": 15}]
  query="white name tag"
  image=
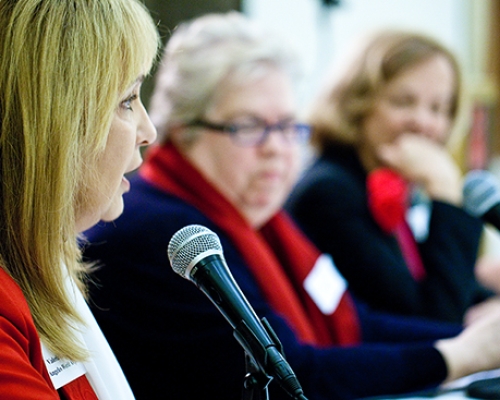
[
  {"x": 325, "y": 285},
  {"x": 418, "y": 218},
  {"x": 61, "y": 372}
]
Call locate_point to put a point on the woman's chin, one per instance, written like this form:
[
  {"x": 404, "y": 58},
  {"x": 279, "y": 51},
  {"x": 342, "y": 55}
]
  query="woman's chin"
[{"x": 113, "y": 211}]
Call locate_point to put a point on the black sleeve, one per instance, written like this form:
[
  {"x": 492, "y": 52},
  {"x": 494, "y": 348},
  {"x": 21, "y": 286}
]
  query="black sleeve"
[
  {"x": 329, "y": 204},
  {"x": 173, "y": 343}
]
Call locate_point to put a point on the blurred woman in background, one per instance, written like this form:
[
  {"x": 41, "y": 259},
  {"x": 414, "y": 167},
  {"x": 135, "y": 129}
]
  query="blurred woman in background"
[
  {"x": 229, "y": 154},
  {"x": 384, "y": 195}
]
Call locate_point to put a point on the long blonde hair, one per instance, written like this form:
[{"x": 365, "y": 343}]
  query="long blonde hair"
[{"x": 63, "y": 66}]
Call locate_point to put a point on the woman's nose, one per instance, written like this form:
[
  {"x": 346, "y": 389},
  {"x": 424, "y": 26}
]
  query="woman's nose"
[
  {"x": 146, "y": 130},
  {"x": 423, "y": 121}
]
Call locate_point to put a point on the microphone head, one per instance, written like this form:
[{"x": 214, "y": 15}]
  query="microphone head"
[
  {"x": 188, "y": 245},
  {"x": 481, "y": 192}
]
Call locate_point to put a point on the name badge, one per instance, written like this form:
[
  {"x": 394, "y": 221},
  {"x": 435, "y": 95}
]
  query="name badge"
[
  {"x": 325, "y": 285},
  {"x": 61, "y": 371}
]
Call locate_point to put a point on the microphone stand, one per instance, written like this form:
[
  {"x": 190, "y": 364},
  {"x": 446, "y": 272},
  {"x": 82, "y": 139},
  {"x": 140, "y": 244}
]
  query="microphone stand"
[{"x": 256, "y": 382}]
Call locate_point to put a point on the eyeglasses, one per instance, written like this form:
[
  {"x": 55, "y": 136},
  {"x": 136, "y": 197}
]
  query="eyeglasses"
[{"x": 254, "y": 134}]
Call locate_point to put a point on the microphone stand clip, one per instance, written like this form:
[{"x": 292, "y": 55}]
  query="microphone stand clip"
[
  {"x": 257, "y": 358},
  {"x": 256, "y": 382}
]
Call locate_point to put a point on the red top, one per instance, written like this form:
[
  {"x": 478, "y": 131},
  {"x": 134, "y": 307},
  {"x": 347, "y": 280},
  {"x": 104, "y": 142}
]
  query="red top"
[{"x": 23, "y": 374}]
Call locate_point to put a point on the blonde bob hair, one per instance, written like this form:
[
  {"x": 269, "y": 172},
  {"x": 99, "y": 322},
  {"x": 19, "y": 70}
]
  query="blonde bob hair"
[
  {"x": 337, "y": 114},
  {"x": 203, "y": 57},
  {"x": 63, "y": 66}
]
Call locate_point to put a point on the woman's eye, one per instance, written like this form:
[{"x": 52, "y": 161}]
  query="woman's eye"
[
  {"x": 127, "y": 103},
  {"x": 402, "y": 101},
  {"x": 444, "y": 109}
]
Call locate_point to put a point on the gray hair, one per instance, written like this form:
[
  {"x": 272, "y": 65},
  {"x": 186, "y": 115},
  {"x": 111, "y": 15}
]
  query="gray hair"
[{"x": 200, "y": 55}]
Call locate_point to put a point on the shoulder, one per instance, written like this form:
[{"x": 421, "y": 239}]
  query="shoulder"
[
  {"x": 329, "y": 181},
  {"x": 142, "y": 233},
  {"x": 21, "y": 350},
  {"x": 16, "y": 320},
  {"x": 13, "y": 304},
  {"x": 149, "y": 214}
]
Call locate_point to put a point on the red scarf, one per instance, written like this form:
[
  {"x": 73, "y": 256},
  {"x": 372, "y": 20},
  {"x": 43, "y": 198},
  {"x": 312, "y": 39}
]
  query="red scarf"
[
  {"x": 388, "y": 200},
  {"x": 279, "y": 256}
]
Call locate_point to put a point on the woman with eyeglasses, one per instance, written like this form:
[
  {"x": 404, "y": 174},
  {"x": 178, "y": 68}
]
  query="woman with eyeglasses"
[{"x": 229, "y": 153}]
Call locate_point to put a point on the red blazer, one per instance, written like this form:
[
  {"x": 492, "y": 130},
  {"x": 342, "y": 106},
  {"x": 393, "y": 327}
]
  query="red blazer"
[{"x": 23, "y": 374}]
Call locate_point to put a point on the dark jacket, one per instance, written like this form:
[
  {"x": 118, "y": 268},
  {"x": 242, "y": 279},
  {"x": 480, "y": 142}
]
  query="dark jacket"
[
  {"x": 330, "y": 204},
  {"x": 173, "y": 343}
]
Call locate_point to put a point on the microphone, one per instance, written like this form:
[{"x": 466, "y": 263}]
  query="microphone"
[
  {"x": 195, "y": 253},
  {"x": 482, "y": 196}
]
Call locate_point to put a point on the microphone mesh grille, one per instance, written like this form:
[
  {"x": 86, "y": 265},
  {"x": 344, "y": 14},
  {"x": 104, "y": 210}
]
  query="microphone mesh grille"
[
  {"x": 189, "y": 242},
  {"x": 481, "y": 192}
]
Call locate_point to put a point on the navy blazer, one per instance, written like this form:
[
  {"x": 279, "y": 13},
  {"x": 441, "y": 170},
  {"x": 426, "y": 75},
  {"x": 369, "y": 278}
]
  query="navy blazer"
[
  {"x": 173, "y": 343},
  {"x": 330, "y": 204}
]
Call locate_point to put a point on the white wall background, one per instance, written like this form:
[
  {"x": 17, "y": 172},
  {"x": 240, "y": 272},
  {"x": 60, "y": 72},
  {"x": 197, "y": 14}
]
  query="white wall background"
[{"x": 324, "y": 34}]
